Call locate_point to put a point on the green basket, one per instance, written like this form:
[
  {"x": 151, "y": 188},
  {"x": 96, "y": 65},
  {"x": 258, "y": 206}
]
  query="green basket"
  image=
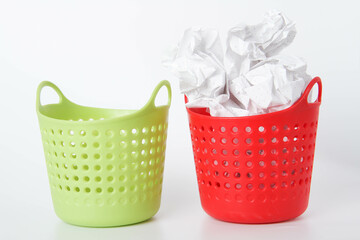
[{"x": 105, "y": 166}]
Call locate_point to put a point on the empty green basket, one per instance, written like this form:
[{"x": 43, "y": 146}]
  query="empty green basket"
[{"x": 105, "y": 166}]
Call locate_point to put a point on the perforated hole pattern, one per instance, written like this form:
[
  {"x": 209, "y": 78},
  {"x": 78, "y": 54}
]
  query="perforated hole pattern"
[
  {"x": 253, "y": 163},
  {"x": 116, "y": 166}
]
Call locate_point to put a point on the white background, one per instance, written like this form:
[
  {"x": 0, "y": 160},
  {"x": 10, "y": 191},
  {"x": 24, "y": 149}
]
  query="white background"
[{"x": 108, "y": 54}]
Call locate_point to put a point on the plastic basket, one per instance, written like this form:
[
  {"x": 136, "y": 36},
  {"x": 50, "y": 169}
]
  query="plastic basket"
[
  {"x": 105, "y": 166},
  {"x": 256, "y": 169}
]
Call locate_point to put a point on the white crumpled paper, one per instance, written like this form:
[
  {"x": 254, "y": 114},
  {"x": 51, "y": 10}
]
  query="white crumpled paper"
[{"x": 250, "y": 78}]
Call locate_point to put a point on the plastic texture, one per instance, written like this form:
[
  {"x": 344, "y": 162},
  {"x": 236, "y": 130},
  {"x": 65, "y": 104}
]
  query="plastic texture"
[
  {"x": 256, "y": 169},
  {"x": 105, "y": 166}
]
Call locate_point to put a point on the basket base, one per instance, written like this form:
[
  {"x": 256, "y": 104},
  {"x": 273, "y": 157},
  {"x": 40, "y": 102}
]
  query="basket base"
[
  {"x": 236, "y": 217},
  {"x": 247, "y": 221},
  {"x": 106, "y": 216},
  {"x": 110, "y": 225},
  {"x": 256, "y": 212}
]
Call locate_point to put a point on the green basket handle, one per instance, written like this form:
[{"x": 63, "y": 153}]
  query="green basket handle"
[
  {"x": 151, "y": 103},
  {"x": 43, "y": 84}
]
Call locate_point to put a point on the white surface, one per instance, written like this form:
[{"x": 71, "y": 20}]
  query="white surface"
[{"x": 108, "y": 54}]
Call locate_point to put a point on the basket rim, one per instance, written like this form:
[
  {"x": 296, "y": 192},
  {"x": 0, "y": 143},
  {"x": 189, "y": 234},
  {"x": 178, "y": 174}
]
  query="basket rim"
[
  {"x": 148, "y": 108},
  {"x": 302, "y": 101}
]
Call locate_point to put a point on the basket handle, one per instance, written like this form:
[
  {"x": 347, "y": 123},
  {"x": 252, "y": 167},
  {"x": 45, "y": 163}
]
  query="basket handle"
[
  {"x": 304, "y": 99},
  {"x": 43, "y": 84},
  {"x": 151, "y": 103},
  {"x": 308, "y": 89}
]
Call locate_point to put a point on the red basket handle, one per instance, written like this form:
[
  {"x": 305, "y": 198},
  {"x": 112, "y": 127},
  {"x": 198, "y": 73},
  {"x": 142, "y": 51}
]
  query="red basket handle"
[{"x": 304, "y": 99}]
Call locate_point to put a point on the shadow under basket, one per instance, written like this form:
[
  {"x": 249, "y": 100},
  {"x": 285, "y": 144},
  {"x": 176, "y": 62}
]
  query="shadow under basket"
[
  {"x": 256, "y": 169},
  {"x": 105, "y": 166}
]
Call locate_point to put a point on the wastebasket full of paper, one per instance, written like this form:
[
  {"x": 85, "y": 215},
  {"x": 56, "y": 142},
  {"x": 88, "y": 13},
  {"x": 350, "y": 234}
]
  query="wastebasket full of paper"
[{"x": 252, "y": 118}]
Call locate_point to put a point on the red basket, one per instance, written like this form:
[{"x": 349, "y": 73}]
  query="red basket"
[{"x": 256, "y": 169}]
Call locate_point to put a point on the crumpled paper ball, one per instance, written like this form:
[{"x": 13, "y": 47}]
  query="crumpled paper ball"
[{"x": 250, "y": 78}]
